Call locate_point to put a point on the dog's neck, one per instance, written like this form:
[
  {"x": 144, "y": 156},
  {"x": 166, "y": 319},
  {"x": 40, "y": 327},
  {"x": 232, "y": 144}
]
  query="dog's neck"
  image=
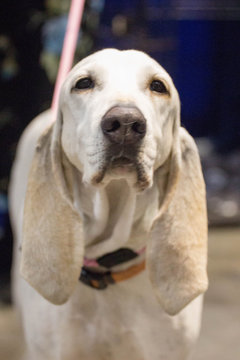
[{"x": 114, "y": 216}]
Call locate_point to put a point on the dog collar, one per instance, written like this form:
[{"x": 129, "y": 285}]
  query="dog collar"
[{"x": 101, "y": 280}]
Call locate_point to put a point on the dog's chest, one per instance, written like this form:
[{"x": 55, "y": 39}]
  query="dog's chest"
[{"x": 122, "y": 322}]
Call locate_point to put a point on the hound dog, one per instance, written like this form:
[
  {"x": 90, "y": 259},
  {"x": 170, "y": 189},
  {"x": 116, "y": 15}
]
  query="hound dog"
[{"x": 109, "y": 214}]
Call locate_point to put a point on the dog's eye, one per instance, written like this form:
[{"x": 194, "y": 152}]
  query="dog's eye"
[
  {"x": 84, "y": 83},
  {"x": 158, "y": 86}
]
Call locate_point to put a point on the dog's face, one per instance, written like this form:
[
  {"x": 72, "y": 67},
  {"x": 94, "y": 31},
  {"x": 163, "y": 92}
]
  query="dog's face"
[{"x": 118, "y": 110}]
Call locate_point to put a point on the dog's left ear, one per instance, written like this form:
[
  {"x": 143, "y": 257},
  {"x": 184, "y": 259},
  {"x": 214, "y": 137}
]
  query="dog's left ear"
[{"x": 177, "y": 250}]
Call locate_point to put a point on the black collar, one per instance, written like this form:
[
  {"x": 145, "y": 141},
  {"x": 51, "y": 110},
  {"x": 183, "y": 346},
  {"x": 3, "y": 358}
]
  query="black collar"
[{"x": 101, "y": 280}]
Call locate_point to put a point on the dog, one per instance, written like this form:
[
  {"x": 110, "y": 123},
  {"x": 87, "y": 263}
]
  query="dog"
[{"x": 108, "y": 210}]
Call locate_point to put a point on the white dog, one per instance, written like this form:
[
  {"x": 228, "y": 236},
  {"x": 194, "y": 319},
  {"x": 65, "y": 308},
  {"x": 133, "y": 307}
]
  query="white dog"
[{"x": 113, "y": 184}]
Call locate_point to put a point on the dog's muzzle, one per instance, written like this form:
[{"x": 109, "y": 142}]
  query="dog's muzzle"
[{"x": 124, "y": 129}]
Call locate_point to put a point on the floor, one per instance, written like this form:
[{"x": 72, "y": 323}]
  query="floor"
[{"x": 220, "y": 336}]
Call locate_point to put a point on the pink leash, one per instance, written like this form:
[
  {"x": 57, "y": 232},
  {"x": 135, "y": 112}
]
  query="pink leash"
[{"x": 69, "y": 46}]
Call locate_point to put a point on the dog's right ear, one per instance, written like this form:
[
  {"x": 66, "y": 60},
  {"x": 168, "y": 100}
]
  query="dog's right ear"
[{"x": 52, "y": 249}]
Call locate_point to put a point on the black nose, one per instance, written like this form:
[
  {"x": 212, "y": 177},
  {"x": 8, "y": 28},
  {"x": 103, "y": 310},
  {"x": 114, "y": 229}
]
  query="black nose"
[{"x": 123, "y": 124}]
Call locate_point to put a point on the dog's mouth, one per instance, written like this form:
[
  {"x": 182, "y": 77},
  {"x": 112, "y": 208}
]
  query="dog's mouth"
[
  {"x": 127, "y": 165},
  {"x": 116, "y": 166},
  {"x": 122, "y": 161},
  {"x": 122, "y": 166}
]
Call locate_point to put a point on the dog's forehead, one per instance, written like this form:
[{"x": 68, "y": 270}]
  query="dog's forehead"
[{"x": 117, "y": 60}]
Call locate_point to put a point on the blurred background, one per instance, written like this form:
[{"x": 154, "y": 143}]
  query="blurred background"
[{"x": 198, "y": 42}]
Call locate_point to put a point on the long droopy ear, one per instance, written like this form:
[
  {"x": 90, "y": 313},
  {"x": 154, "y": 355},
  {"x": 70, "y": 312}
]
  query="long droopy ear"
[
  {"x": 177, "y": 250},
  {"x": 52, "y": 249}
]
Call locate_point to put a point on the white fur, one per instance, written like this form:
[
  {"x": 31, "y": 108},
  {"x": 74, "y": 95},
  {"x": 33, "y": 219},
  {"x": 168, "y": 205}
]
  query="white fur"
[{"x": 127, "y": 320}]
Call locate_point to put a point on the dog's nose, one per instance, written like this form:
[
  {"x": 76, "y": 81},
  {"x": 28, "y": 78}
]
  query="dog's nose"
[{"x": 124, "y": 125}]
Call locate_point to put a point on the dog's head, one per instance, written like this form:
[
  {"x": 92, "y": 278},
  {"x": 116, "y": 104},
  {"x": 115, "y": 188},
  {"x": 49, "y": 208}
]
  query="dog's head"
[
  {"x": 118, "y": 118},
  {"x": 118, "y": 111}
]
